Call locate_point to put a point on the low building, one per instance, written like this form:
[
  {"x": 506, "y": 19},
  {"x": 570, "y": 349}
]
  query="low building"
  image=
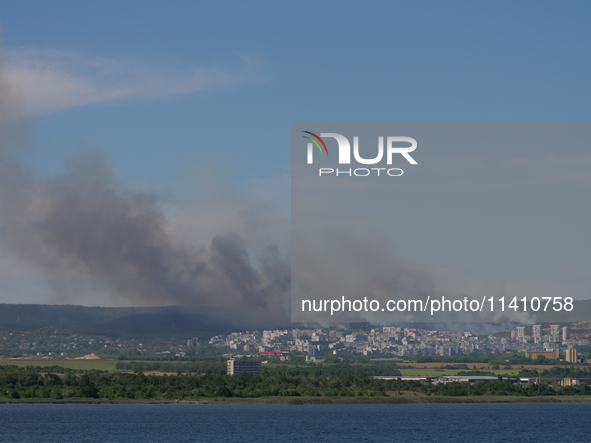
[
  {"x": 236, "y": 367},
  {"x": 551, "y": 354},
  {"x": 447, "y": 379},
  {"x": 274, "y": 354},
  {"x": 405, "y": 378}
]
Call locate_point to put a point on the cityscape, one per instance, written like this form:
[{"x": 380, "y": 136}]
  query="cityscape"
[
  {"x": 551, "y": 342},
  {"x": 402, "y": 341}
]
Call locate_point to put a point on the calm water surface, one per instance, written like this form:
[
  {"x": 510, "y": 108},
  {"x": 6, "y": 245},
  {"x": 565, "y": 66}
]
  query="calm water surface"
[{"x": 565, "y": 422}]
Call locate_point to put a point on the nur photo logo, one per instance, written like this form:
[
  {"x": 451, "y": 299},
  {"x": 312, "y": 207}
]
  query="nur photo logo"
[{"x": 393, "y": 145}]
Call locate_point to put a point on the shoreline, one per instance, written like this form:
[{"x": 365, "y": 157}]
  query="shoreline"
[{"x": 402, "y": 399}]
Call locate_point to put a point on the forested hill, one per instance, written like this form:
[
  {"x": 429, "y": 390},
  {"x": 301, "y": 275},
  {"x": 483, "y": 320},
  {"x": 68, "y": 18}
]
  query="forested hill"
[{"x": 129, "y": 322}]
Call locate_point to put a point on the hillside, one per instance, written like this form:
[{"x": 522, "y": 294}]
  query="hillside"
[{"x": 123, "y": 322}]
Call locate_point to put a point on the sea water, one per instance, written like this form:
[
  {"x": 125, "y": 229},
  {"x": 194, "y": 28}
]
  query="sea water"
[{"x": 512, "y": 422}]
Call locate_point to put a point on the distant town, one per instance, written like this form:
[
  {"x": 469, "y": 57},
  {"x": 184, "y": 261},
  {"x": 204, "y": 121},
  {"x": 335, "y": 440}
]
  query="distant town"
[
  {"x": 552, "y": 342},
  {"x": 299, "y": 365},
  {"x": 536, "y": 341}
]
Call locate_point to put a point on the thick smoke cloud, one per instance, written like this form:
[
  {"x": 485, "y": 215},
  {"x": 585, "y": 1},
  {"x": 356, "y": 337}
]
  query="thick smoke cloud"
[
  {"x": 83, "y": 228},
  {"x": 82, "y": 224}
]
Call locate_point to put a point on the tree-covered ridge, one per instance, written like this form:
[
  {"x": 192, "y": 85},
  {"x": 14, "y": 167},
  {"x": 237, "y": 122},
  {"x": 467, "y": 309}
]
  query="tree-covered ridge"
[
  {"x": 142, "y": 322},
  {"x": 21, "y": 383}
]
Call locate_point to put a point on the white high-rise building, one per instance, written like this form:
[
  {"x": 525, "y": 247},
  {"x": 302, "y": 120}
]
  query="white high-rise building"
[{"x": 565, "y": 333}]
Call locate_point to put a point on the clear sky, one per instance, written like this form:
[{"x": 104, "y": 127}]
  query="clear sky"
[{"x": 193, "y": 101}]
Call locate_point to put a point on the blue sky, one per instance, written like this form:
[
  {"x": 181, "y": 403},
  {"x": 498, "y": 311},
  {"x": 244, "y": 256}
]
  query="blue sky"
[
  {"x": 310, "y": 61},
  {"x": 186, "y": 97}
]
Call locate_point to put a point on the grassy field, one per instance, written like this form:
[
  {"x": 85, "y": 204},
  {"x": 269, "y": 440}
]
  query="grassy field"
[
  {"x": 103, "y": 365},
  {"x": 419, "y": 369},
  {"x": 475, "y": 366},
  {"x": 430, "y": 372}
]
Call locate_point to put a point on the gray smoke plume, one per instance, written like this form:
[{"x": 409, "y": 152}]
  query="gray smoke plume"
[
  {"x": 85, "y": 229},
  {"x": 81, "y": 224}
]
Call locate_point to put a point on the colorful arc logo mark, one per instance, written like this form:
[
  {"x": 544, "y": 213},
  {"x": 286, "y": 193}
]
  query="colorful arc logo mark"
[{"x": 318, "y": 139}]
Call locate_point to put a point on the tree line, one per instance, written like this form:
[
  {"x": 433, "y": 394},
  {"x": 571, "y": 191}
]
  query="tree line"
[{"x": 23, "y": 384}]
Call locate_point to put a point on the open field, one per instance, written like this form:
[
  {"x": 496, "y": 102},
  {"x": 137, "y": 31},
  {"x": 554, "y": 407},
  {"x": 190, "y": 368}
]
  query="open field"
[
  {"x": 434, "y": 369},
  {"x": 474, "y": 366},
  {"x": 431, "y": 372},
  {"x": 407, "y": 369},
  {"x": 103, "y": 365}
]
